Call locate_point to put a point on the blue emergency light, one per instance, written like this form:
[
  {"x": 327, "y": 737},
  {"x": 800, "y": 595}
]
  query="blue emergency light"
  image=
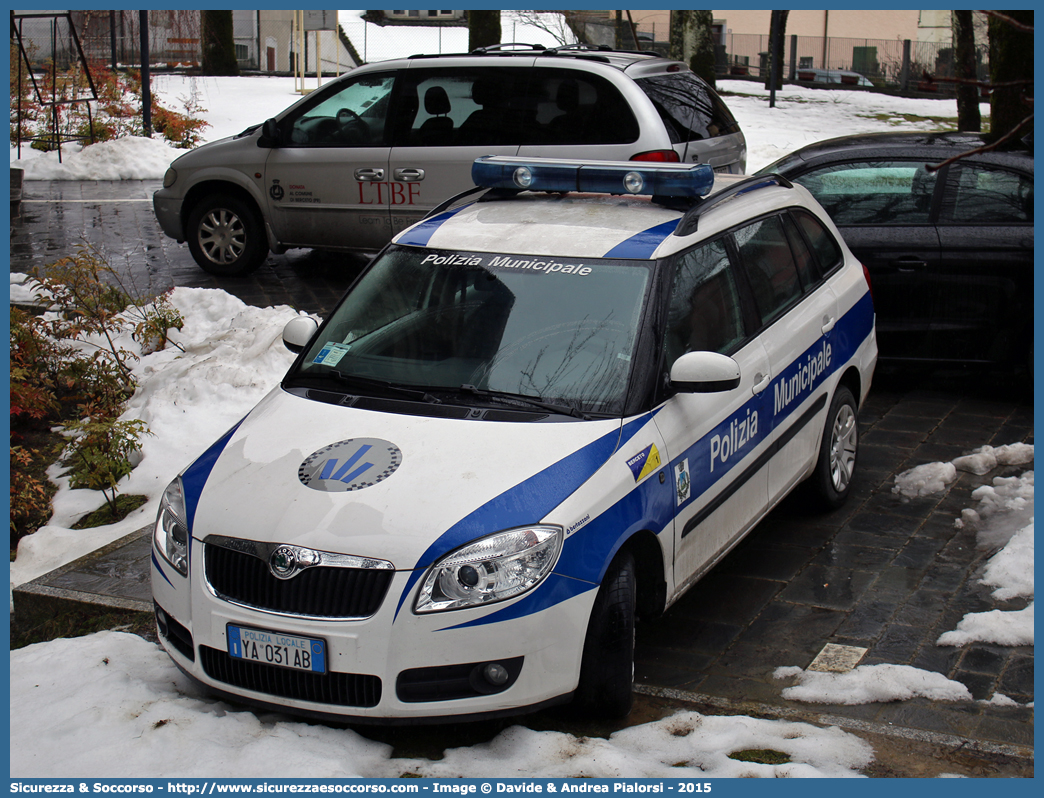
[{"x": 603, "y": 177}]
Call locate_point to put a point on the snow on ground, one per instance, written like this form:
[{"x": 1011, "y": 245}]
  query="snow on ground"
[{"x": 146, "y": 719}]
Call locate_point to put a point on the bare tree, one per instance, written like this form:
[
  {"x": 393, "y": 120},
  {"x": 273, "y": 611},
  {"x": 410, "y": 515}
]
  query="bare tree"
[
  {"x": 562, "y": 26},
  {"x": 1011, "y": 73},
  {"x": 968, "y": 117}
]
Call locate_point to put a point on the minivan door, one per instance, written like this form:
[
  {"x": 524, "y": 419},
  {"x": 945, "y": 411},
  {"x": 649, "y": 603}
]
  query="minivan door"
[{"x": 327, "y": 181}]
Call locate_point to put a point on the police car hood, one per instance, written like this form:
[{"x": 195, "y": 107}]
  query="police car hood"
[{"x": 403, "y": 488}]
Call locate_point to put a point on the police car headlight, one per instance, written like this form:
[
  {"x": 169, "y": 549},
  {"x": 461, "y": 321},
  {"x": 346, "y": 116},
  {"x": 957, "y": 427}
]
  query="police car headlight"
[
  {"x": 171, "y": 533},
  {"x": 169, "y": 178},
  {"x": 495, "y": 568}
]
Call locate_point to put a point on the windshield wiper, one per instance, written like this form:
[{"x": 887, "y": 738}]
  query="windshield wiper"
[
  {"x": 418, "y": 394},
  {"x": 505, "y": 397}
]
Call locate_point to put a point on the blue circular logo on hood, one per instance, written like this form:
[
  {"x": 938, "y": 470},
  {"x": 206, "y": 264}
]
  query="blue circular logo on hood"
[{"x": 353, "y": 464}]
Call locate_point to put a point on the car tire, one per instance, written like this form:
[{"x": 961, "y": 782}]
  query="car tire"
[
  {"x": 606, "y": 685},
  {"x": 835, "y": 469},
  {"x": 226, "y": 236}
]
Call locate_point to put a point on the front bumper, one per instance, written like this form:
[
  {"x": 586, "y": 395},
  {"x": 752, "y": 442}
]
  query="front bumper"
[
  {"x": 168, "y": 214},
  {"x": 392, "y": 666}
]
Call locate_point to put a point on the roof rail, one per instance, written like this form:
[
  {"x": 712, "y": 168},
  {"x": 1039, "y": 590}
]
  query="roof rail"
[
  {"x": 690, "y": 221},
  {"x": 494, "y": 48}
]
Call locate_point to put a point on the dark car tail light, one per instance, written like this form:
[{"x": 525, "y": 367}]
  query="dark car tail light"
[{"x": 661, "y": 156}]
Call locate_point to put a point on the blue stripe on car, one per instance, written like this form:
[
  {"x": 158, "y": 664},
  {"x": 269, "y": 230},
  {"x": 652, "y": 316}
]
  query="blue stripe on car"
[
  {"x": 651, "y": 506},
  {"x": 197, "y": 474},
  {"x": 528, "y": 501},
  {"x": 420, "y": 234},
  {"x": 643, "y": 244}
]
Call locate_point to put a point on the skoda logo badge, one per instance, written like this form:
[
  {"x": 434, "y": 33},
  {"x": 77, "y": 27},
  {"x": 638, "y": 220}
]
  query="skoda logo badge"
[
  {"x": 350, "y": 465},
  {"x": 283, "y": 562}
]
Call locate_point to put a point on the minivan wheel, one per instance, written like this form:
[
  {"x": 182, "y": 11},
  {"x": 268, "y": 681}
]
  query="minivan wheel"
[
  {"x": 606, "y": 683},
  {"x": 226, "y": 236},
  {"x": 835, "y": 469}
]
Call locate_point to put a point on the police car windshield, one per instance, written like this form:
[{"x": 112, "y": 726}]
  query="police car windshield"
[{"x": 561, "y": 330}]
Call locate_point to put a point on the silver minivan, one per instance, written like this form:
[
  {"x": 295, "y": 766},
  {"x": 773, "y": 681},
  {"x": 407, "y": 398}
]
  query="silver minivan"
[{"x": 367, "y": 155}]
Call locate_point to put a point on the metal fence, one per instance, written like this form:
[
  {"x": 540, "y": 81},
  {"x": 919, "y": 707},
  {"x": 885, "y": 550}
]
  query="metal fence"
[
  {"x": 885, "y": 62},
  {"x": 266, "y": 43}
]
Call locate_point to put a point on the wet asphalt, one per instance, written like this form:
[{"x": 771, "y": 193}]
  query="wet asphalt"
[{"x": 883, "y": 573}]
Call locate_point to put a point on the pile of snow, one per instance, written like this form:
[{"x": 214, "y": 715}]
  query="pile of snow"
[
  {"x": 226, "y": 358},
  {"x": 929, "y": 478},
  {"x": 146, "y": 719},
  {"x": 871, "y": 683}
]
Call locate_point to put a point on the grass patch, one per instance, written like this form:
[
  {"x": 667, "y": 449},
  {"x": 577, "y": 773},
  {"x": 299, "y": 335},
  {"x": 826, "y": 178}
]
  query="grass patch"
[
  {"x": 81, "y": 621},
  {"x": 762, "y": 756},
  {"x": 942, "y": 122},
  {"x": 125, "y": 505}
]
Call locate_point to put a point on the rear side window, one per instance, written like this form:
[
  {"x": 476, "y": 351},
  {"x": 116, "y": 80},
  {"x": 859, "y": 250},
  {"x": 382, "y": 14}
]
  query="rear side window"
[
  {"x": 977, "y": 194},
  {"x": 828, "y": 252},
  {"x": 689, "y": 108},
  {"x": 873, "y": 192},
  {"x": 567, "y": 106}
]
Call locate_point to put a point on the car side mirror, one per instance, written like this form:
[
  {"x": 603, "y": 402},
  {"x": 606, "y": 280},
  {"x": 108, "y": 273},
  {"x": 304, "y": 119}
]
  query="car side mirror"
[
  {"x": 704, "y": 372},
  {"x": 269, "y": 137},
  {"x": 298, "y": 332}
]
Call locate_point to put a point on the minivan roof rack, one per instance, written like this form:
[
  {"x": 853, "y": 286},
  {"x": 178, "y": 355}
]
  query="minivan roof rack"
[{"x": 690, "y": 221}]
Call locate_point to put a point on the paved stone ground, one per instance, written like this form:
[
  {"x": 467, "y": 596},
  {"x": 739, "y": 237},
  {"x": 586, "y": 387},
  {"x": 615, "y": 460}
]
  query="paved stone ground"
[
  {"x": 882, "y": 573},
  {"x": 116, "y": 218}
]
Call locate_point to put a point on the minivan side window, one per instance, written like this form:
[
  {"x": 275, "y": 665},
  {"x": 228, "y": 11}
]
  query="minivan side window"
[
  {"x": 690, "y": 110},
  {"x": 705, "y": 313},
  {"x": 469, "y": 107},
  {"x": 873, "y": 192},
  {"x": 353, "y": 116},
  {"x": 769, "y": 264}
]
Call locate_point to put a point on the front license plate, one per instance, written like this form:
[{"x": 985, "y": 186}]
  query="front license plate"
[{"x": 276, "y": 648}]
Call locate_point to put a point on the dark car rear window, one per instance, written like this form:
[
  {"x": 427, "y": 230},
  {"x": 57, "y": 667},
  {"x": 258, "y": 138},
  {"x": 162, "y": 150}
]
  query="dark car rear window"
[{"x": 690, "y": 109}]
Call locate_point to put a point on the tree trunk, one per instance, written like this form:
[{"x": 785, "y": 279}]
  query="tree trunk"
[
  {"x": 968, "y": 117},
  {"x": 219, "y": 44},
  {"x": 777, "y": 37},
  {"x": 483, "y": 29},
  {"x": 691, "y": 41},
  {"x": 1011, "y": 58}
]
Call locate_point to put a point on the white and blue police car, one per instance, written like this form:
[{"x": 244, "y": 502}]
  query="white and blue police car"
[{"x": 540, "y": 414}]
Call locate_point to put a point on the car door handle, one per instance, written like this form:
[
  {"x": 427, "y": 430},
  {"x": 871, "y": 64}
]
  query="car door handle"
[
  {"x": 828, "y": 324},
  {"x": 909, "y": 264},
  {"x": 409, "y": 174},
  {"x": 369, "y": 174},
  {"x": 760, "y": 383}
]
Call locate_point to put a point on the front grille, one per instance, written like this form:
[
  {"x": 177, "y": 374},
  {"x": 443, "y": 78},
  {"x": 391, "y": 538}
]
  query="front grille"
[
  {"x": 341, "y": 689},
  {"x": 318, "y": 592}
]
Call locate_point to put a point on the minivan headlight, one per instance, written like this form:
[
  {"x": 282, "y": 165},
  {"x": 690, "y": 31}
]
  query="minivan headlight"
[
  {"x": 169, "y": 177},
  {"x": 494, "y": 568},
  {"x": 171, "y": 533}
]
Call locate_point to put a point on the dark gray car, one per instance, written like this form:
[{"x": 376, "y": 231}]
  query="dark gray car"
[
  {"x": 949, "y": 251},
  {"x": 374, "y": 151}
]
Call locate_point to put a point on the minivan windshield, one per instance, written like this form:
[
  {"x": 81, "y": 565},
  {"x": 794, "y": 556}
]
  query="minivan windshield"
[{"x": 482, "y": 326}]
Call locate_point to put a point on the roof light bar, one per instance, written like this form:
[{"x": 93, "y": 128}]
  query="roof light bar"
[{"x": 604, "y": 177}]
